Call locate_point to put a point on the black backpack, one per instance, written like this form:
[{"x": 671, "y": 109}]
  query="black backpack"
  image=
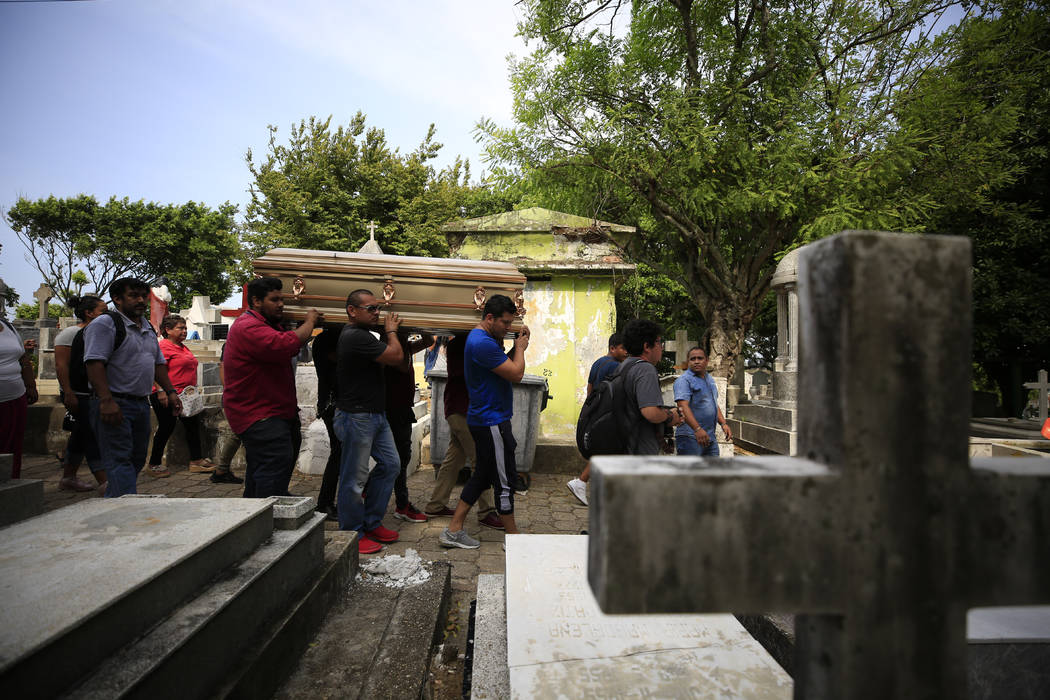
[
  {"x": 78, "y": 378},
  {"x": 606, "y": 421}
]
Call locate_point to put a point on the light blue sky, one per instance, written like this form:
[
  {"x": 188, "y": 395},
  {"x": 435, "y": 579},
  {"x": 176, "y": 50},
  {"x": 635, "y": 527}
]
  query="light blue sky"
[{"x": 160, "y": 99}]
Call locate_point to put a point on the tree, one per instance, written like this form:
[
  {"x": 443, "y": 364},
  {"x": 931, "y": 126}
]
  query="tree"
[
  {"x": 727, "y": 132},
  {"x": 76, "y": 243},
  {"x": 322, "y": 189},
  {"x": 991, "y": 104},
  {"x": 32, "y": 311}
]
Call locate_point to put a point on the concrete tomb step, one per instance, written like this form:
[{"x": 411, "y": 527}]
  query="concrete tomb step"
[
  {"x": 559, "y": 644},
  {"x": 82, "y": 581},
  {"x": 762, "y": 439},
  {"x": 19, "y": 498},
  {"x": 767, "y": 414},
  {"x": 490, "y": 677},
  {"x": 260, "y": 669},
  {"x": 377, "y": 643},
  {"x": 189, "y": 652}
]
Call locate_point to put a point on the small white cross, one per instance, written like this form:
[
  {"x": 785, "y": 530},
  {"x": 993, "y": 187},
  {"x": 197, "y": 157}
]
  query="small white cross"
[{"x": 372, "y": 229}]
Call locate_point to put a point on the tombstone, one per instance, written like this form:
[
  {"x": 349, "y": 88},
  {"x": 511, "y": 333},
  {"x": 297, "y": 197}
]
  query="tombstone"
[
  {"x": 201, "y": 316},
  {"x": 48, "y": 329},
  {"x": 679, "y": 346},
  {"x": 1041, "y": 387},
  {"x": 559, "y": 644},
  {"x": 884, "y": 534},
  {"x": 371, "y": 246},
  {"x": 770, "y": 423}
]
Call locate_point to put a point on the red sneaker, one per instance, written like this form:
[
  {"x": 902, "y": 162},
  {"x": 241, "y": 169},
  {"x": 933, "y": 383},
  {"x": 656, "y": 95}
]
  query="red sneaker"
[
  {"x": 492, "y": 520},
  {"x": 384, "y": 535},
  {"x": 367, "y": 546},
  {"x": 410, "y": 513}
]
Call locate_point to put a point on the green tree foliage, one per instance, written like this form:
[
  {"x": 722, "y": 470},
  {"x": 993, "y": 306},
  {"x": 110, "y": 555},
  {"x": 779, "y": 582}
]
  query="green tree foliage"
[
  {"x": 33, "y": 310},
  {"x": 728, "y": 132},
  {"x": 991, "y": 108},
  {"x": 321, "y": 189},
  {"x": 648, "y": 294},
  {"x": 77, "y": 243}
]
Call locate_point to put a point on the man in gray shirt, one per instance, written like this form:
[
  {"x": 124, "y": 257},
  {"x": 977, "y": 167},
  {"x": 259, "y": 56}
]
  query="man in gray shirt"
[
  {"x": 647, "y": 415},
  {"x": 121, "y": 375}
]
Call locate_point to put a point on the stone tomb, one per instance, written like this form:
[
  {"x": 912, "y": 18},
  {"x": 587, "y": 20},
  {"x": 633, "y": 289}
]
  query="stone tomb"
[
  {"x": 559, "y": 644},
  {"x": 176, "y": 586},
  {"x": 884, "y": 534}
]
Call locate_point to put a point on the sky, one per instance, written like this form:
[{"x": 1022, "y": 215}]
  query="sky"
[{"x": 161, "y": 99}]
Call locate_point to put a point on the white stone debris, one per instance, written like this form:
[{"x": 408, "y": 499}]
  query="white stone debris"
[{"x": 394, "y": 571}]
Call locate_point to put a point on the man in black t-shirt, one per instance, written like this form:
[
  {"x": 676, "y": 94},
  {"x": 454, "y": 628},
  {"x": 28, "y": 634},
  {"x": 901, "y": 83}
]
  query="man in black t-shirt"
[
  {"x": 360, "y": 420},
  {"x": 400, "y": 397}
]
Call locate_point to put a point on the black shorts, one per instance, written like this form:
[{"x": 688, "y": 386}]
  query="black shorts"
[{"x": 494, "y": 466}]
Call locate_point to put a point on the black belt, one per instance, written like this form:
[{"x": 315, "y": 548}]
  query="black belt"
[{"x": 129, "y": 397}]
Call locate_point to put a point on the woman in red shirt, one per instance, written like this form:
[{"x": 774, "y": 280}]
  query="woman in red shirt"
[{"x": 182, "y": 368}]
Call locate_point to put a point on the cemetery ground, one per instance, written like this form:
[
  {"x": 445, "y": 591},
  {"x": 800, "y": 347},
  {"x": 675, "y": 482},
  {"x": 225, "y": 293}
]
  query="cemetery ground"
[{"x": 547, "y": 508}]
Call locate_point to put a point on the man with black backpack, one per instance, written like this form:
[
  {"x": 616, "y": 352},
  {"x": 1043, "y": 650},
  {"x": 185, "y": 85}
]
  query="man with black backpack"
[
  {"x": 123, "y": 360},
  {"x": 600, "y": 371},
  {"x": 625, "y": 414}
]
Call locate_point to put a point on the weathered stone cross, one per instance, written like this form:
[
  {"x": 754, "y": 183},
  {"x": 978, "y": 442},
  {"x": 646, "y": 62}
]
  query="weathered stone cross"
[
  {"x": 882, "y": 534},
  {"x": 43, "y": 294},
  {"x": 1041, "y": 386}
]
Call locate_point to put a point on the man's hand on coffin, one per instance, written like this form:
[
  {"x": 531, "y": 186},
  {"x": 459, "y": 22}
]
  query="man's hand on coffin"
[
  {"x": 391, "y": 322},
  {"x": 306, "y": 331},
  {"x": 522, "y": 341}
]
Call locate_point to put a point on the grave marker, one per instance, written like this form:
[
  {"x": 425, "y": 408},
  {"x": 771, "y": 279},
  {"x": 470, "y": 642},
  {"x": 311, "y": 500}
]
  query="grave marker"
[
  {"x": 883, "y": 535},
  {"x": 1041, "y": 386}
]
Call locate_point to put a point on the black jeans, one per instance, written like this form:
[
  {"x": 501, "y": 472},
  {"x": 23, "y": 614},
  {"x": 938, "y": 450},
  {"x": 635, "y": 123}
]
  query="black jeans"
[
  {"x": 330, "y": 480},
  {"x": 82, "y": 443},
  {"x": 166, "y": 425},
  {"x": 401, "y": 420},
  {"x": 271, "y": 447}
]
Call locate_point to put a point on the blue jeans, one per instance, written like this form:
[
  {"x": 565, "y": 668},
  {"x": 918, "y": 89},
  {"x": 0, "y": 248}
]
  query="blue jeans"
[
  {"x": 123, "y": 446},
  {"x": 364, "y": 435},
  {"x": 687, "y": 445}
]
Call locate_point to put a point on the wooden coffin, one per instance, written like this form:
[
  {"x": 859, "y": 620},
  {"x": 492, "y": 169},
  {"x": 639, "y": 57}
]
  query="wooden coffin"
[{"x": 437, "y": 294}]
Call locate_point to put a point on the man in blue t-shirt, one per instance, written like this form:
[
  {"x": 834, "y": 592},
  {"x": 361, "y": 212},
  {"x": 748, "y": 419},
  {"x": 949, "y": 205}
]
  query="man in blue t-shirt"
[
  {"x": 489, "y": 373},
  {"x": 697, "y": 397},
  {"x": 600, "y": 370}
]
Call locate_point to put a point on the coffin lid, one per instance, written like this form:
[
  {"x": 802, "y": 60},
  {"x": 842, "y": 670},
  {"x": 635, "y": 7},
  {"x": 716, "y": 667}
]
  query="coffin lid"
[{"x": 436, "y": 294}]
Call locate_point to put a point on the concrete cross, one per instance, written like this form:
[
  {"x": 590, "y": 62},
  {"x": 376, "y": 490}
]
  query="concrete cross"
[
  {"x": 1042, "y": 386},
  {"x": 372, "y": 230},
  {"x": 679, "y": 346},
  {"x": 883, "y": 534},
  {"x": 43, "y": 294}
]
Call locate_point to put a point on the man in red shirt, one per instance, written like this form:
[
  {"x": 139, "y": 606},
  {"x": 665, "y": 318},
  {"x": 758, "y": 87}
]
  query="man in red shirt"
[{"x": 259, "y": 395}]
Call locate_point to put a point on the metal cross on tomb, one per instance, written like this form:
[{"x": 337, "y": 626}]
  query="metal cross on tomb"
[{"x": 883, "y": 533}]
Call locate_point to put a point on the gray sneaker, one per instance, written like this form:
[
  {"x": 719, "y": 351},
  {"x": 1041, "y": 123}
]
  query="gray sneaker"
[{"x": 458, "y": 539}]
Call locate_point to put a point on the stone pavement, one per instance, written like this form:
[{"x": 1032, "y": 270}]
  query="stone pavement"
[{"x": 548, "y": 508}]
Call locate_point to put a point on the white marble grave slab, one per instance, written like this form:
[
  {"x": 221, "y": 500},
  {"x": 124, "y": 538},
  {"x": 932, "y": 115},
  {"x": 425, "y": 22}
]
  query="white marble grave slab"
[
  {"x": 68, "y": 565},
  {"x": 560, "y": 644}
]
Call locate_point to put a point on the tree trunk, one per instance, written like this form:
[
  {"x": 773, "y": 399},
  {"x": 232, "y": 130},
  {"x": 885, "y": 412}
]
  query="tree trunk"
[{"x": 727, "y": 325}]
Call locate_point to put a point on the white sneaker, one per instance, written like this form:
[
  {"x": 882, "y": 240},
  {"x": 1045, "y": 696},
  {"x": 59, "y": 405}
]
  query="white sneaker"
[{"x": 578, "y": 489}]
